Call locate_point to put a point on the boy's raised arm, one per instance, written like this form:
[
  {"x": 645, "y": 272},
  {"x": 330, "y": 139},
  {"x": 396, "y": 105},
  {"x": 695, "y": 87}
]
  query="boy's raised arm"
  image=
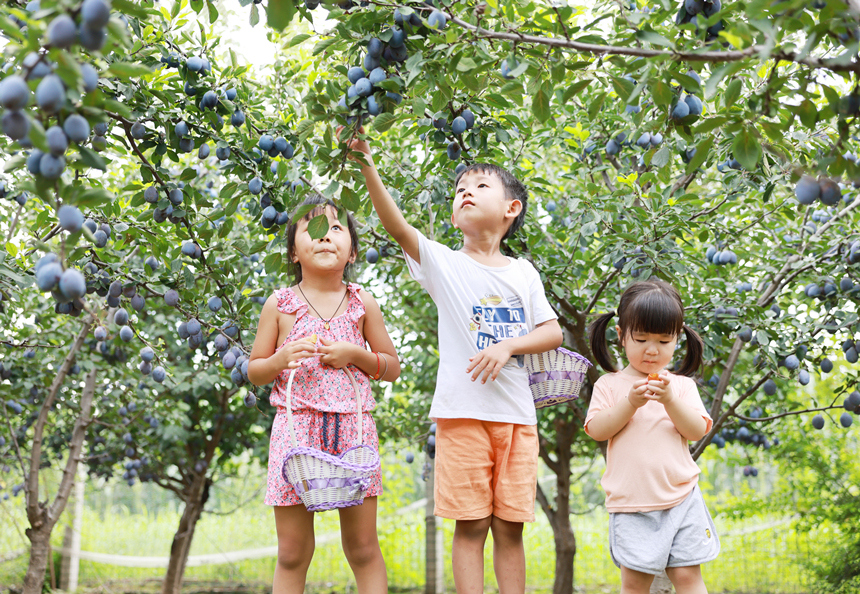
[{"x": 389, "y": 214}]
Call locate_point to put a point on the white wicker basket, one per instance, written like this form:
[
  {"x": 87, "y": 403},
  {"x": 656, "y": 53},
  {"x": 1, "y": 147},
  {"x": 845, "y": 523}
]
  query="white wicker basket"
[
  {"x": 555, "y": 376},
  {"x": 324, "y": 481}
]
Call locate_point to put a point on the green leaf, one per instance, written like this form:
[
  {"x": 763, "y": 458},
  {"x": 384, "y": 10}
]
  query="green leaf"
[
  {"x": 92, "y": 158},
  {"x": 324, "y": 44},
  {"x": 733, "y": 91},
  {"x": 622, "y": 86},
  {"x": 466, "y": 64},
  {"x": 384, "y": 121},
  {"x": 297, "y": 39},
  {"x": 662, "y": 93},
  {"x": 279, "y": 13},
  {"x": 94, "y": 197},
  {"x": 318, "y": 226},
  {"x": 703, "y": 150},
  {"x": 127, "y": 70},
  {"x": 304, "y": 129},
  {"x": 654, "y": 38},
  {"x": 719, "y": 73},
  {"x": 15, "y": 162},
  {"x": 574, "y": 89},
  {"x": 710, "y": 124},
  {"x": 254, "y": 17},
  {"x": 747, "y": 149},
  {"x": 540, "y": 105},
  {"x": 807, "y": 113},
  {"x": 661, "y": 157},
  {"x": 272, "y": 262}
]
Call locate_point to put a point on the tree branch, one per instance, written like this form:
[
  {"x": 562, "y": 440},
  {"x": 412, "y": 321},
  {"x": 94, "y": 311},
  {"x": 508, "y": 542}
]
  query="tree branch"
[
  {"x": 32, "y": 482},
  {"x": 761, "y": 51},
  {"x": 77, "y": 442}
]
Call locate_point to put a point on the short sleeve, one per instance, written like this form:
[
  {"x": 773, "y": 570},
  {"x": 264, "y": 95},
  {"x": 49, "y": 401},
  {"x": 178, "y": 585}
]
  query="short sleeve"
[
  {"x": 542, "y": 311},
  {"x": 289, "y": 303},
  {"x": 689, "y": 395},
  {"x": 356, "y": 306},
  {"x": 601, "y": 399},
  {"x": 431, "y": 253}
]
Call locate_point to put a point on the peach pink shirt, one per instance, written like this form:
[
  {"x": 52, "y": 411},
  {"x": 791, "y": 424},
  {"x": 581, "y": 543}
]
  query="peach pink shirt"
[{"x": 648, "y": 463}]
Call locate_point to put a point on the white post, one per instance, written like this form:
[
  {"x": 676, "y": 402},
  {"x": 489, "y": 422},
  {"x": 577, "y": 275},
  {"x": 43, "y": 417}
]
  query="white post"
[
  {"x": 77, "y": 523},
  {"x": 439, "y": 533}
]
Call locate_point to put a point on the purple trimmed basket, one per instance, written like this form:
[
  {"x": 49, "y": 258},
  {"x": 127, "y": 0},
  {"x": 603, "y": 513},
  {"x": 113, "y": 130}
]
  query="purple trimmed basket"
[
  {"x": 555, "y": 376},
  {"x": 324, "y": 481}
]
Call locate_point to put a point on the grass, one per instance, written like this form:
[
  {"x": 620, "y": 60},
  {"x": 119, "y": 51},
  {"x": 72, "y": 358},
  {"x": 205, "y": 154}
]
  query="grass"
[{"x": 140, "y": 521}]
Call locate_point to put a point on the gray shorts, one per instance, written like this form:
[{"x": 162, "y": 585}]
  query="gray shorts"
[{"x": 680, "y": 536}]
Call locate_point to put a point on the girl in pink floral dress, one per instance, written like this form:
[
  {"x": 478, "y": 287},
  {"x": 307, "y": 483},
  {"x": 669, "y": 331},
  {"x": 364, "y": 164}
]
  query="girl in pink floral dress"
[{"x": 322, "y": 324}]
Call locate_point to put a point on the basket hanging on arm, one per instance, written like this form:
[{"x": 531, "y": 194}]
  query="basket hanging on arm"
[
  {"x": 554, "y": 376},
  {"x": 324, "y": 481}
]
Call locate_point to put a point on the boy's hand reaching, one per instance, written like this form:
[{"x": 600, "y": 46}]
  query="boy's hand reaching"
[
  {"x": 356, "y": 144},
  {"x": 489, "y": 361}
]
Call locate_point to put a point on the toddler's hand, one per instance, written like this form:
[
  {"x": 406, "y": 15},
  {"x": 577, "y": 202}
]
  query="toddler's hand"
[
  {"x": 337, "y": 354},
  {"x": 490, "y": 361},
  {"x": 293, "y": 353},
  {"x": 638, "y": 395},
  {"x": 659, "y": 389}
]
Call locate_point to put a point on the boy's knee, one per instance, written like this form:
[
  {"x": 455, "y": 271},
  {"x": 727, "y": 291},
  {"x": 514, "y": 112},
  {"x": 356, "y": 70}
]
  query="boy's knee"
[
  {"x": 473, "y": 529},
  {"x": 505, "y": 531},
  {"x": 292, "y": 557}
]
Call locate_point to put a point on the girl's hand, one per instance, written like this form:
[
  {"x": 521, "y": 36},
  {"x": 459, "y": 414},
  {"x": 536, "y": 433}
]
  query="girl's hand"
[
  {"x": 294, "y": 352},
  {"x": 490, "y": 361},
  {"x": 638, "y": 395},
  {"x": 659, "y": 390},
  {"x": 337, "y": 354}
]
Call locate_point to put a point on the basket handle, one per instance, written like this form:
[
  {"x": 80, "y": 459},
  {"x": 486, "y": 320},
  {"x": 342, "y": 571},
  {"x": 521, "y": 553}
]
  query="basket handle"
[{"x": 289, "y": 407}]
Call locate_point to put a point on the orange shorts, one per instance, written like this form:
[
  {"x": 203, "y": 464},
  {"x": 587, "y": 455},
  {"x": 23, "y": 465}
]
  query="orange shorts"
[{"x": 485, "y": 468}]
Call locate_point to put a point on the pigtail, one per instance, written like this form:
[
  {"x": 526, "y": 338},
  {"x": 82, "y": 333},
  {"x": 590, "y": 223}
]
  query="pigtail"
[
  {"x": 693, "y": 357},
  {"x": 597, "y": 339}
]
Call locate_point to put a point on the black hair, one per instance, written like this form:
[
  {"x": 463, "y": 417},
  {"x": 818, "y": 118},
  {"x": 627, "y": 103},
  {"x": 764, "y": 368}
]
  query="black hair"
[
  {"x": 319, "y": 202},
  {"x": 514, "y": 190},
  {"x": 653, "y": 307}
]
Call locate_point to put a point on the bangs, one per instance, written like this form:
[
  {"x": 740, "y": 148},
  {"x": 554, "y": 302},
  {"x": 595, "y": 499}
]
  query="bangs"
[
  {"x": 319, "y": 210},
  {"x": 653, "y": 312}
]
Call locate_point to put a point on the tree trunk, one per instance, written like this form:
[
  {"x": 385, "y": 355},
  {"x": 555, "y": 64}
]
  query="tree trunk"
[
  {"x": 558, "y": 513},
  {"x": 179, "y": 550},
  {"x": 565, "y": 553},
  {"x": 41, "y": 516},
  {"x": 39, "y": 552}
]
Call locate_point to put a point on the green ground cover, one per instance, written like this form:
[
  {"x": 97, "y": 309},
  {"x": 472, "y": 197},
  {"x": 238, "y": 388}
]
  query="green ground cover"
[{"x": 759, "y": 555}]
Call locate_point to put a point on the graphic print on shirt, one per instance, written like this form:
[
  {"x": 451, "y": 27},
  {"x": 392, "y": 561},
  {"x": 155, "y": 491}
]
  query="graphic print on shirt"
[{"x": 495, "y": 319}]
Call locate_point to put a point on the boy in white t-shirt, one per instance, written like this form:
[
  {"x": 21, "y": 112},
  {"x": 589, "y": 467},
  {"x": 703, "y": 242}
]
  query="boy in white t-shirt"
[{"x": 491, "y": 309}]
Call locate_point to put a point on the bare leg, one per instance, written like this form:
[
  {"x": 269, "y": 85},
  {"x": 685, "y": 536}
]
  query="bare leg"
[
  {"x": 635, "y": 582},
  {"x": 509, "y": 556},
  {"x": 467, "y": 554},
  {"x": 687, "y": 580},
  {"x": 295, "y": 527},
  {"x": 361, "y": 547}
]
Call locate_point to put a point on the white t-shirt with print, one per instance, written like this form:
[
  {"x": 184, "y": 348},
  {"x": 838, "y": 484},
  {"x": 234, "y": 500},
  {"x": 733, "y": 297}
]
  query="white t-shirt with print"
[{"x": 479, "y": 305}]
